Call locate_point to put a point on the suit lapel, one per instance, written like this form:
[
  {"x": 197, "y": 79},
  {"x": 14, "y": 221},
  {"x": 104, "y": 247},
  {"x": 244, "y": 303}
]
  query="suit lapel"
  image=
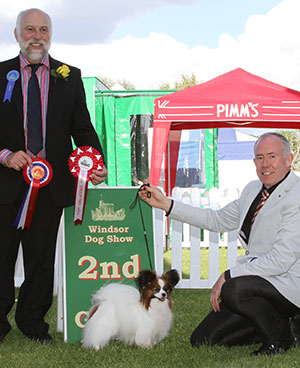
[
  {"x": 54, "y": 64},
  {"x": 17, "y": 95},
  {"x": 280, "y": 192},
  {"x": 249, "y": 199}
]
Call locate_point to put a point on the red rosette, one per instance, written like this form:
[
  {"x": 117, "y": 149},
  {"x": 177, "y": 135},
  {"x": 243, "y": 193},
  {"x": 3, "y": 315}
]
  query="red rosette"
[
  {"x": 82, "y": 162},
  {"x": 38, "y": 175},
  {"x": 85, "y": 158}
]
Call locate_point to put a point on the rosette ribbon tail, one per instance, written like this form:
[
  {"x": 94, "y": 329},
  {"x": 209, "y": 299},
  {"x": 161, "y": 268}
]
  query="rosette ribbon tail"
[
  {"x": 26, "y": 210},
  {"x": 80, "y": 196},
  {"x": 82, "y": 162}
]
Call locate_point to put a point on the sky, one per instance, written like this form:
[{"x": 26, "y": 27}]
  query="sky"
[{"x": 153, "y": 42}]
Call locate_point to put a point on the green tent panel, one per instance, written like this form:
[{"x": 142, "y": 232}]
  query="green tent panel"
[
  {"x": 114, "y": 110},
  {"x": 111, "y": 113}
]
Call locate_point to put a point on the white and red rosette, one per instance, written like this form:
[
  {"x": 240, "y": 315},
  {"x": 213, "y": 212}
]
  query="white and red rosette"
[
  {"x": 82, "y": 162},
  {"x": 38, "y": 175}
]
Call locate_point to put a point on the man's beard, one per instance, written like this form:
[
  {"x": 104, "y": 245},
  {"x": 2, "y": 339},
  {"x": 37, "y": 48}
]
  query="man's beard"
[{"x": 34, "y": 55}]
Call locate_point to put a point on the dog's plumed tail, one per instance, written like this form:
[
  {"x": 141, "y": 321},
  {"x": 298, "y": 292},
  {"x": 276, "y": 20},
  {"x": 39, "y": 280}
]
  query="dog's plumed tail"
[{"x": 100, "y": 327}]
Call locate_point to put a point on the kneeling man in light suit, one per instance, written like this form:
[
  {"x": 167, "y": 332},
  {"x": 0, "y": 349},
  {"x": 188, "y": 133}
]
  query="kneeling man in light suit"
[{"x": 257, "y": 300}]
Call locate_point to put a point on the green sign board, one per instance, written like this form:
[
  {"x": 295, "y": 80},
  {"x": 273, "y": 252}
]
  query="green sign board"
[{"x": 109, "y": 246}]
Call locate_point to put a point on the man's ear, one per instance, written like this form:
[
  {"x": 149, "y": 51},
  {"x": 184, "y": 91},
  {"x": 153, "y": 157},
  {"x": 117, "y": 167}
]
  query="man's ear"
[
  {"x": 290, "y": 159},
  {"x": 16, "y": 35}
]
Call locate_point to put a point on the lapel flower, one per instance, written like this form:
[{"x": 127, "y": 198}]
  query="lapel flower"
[{"x": 62, "y": 72}]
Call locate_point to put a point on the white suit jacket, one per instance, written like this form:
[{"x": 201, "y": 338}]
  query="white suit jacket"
[{"x": 273, "y": 249}]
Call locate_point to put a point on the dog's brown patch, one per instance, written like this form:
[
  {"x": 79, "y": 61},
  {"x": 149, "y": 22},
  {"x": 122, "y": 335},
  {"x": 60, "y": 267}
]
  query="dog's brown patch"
[{"x": 93, "y": 311}]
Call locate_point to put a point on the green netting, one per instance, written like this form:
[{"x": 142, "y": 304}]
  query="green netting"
[
  {"x": 211, "y": 158},
  {"x": 111, "y": 113},
  {"x": 114, "y": 110}
]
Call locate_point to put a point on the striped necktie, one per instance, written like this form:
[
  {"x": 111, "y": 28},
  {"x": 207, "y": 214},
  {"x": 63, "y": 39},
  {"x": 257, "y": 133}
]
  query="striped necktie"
[
  {"x": 34, "y": 113},
  {"x": 265, "y": 196}
]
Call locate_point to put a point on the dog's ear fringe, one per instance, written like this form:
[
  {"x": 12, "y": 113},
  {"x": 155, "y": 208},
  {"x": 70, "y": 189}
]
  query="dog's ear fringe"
[
  {"x": 171, "y": 277},
  {"x": 145, "y": 277}
]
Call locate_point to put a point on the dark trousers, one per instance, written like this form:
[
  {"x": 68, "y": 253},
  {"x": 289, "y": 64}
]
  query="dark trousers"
[
  {"x": 38, "y": 243},
  {"x": 252, "y": 311}
]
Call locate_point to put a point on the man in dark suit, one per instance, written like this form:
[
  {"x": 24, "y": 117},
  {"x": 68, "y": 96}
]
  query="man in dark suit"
[{"x": 64, "y": 115}]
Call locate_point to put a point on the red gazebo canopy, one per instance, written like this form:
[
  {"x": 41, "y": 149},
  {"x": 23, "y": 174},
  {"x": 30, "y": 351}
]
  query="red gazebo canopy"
[{"x": 234, "y": 99}]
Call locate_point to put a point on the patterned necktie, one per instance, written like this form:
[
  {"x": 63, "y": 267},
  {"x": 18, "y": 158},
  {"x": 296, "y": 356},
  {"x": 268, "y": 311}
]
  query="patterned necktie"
[
  {"x": 265, "y": 196},
  {"x": 34, "y": 113}
]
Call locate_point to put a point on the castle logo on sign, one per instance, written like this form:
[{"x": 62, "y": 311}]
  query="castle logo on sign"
[
  {"x": 107, "y": 212},
  {"x": 247, "y": 110}
]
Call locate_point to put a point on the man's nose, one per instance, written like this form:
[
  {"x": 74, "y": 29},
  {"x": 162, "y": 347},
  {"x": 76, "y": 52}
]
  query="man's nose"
[{"x": 37, "y": 34}]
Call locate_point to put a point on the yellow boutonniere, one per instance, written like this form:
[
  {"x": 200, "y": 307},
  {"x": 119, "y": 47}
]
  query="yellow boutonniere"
[{"x": 62, "y": 72}]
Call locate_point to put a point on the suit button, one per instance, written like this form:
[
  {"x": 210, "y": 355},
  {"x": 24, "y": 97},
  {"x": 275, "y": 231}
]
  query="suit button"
[{"x": 247, "y": 252}]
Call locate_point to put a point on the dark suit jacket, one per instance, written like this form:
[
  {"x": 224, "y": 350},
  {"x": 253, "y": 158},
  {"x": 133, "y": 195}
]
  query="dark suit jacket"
[{"x": 67, "y": 117}]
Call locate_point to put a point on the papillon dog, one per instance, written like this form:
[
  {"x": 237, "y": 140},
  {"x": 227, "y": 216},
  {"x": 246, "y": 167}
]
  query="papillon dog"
[{"x": 140, "y": 316}]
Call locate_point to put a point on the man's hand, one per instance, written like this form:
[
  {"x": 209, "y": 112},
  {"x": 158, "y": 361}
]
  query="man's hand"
[
  {"x": 18, "y": 160},
  {"x": 98, "y": 177},
  {"x": 154, "y": 197},
  {"x": 216, "y": 292}
]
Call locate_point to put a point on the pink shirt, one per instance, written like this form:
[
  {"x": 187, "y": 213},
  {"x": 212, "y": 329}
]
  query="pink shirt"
[{"x": 43, "y": 75}]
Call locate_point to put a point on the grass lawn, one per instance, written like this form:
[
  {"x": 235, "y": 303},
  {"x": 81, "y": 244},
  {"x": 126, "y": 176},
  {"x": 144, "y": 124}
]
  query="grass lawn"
[
  {"x": 190, "y": 307},
  {"x": 204, "y": 261}
]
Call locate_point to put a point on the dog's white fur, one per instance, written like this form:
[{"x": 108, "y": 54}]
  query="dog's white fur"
[{"x": 121, "y": 316}]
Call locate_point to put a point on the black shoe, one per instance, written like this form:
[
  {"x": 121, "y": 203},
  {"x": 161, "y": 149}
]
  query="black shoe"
[
  {"x": 4, "y": 332},
  {"x": 42, "y": 338},
  {"x": 271, "y": 349}
]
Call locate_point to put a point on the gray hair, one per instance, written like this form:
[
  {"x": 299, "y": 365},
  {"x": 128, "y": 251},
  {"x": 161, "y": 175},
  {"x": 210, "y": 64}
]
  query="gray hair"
[
  {"x": 285, "y": 142},
  {"x": 23, "y": 13}
]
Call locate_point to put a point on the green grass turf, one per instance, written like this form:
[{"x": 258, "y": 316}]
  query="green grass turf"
[{"x": 189, "y": 308}]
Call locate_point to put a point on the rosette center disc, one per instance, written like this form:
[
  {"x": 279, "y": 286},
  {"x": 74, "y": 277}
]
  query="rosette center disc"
[
  {"x": 41, "y": 170},
  {"x": 85, "y": 163},
  {"x": 37, "y": 172}
]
